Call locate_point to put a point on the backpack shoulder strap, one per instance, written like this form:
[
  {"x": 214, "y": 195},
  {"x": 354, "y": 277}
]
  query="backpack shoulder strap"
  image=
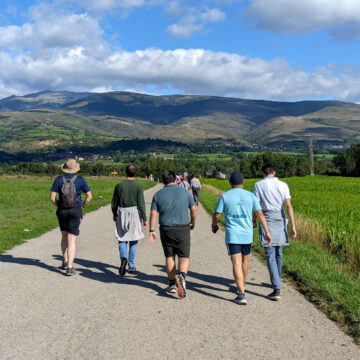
[
  {"x": 72, "y": 180},
  {"x": 64, "y": 179}
]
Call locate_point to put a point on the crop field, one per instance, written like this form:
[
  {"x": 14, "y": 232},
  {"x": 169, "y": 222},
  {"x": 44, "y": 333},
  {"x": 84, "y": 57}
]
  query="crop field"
[
  {"x": 26, "y": 211},
  {"x": 324, "y": 261},
  {"x": 331, "y": 204}
]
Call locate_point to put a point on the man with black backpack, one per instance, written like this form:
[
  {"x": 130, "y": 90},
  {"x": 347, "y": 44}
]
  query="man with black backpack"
[{"x": 69, "y": 209}]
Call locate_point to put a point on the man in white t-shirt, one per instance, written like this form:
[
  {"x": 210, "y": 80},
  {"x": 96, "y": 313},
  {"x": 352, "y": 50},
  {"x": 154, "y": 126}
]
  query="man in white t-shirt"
[{"x": 272, "y": 194}]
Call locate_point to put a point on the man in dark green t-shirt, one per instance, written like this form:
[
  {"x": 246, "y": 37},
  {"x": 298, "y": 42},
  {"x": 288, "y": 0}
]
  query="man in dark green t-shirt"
[
  {"x": 128, "y": 207},
  {"x": 172, "y": 204}
]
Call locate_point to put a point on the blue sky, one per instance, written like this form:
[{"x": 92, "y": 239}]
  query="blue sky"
[{"x": 259, "y": 49}]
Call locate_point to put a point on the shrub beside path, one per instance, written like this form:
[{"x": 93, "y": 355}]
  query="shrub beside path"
[{"x": 99, "y": 315}]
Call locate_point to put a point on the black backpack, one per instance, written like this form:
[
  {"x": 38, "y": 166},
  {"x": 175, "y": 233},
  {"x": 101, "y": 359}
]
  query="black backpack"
[{"x": 68, "y": 193}]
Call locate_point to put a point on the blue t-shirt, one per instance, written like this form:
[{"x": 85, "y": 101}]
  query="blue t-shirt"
[
  {"x": 80, "y": 185},
  {"x": 172, "y": 203},
  {"x": 238, "y": 205}
]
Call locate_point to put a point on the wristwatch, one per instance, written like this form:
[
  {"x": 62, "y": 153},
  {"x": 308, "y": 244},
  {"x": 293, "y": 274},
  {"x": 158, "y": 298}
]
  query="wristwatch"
[{"x": 151, "y": 230}]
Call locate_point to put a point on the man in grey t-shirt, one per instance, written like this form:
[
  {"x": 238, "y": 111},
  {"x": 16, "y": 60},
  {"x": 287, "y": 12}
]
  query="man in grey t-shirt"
[{"x": 172, "y": 204}]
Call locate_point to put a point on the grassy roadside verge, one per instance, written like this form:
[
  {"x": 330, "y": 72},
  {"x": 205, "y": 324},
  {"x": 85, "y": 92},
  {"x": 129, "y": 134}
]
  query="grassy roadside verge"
[
  {"x": 320, "y": 276},
  {"x": 26, "y": 211}
]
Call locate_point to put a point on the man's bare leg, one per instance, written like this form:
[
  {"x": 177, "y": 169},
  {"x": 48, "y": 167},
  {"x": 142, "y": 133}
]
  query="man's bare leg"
[
  {"x": 71, "y": 249},
  {"x": 184, "y": 264},
  {"x": 245, "y": 266},
  {"x": 170, "y": 267},
  {"x": 64, "y": 245},
  {"x": 236, "y": 259}
]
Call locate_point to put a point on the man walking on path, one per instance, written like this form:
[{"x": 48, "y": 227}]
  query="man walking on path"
[
  {"x": 239, "y": 205},
  {"x": 272, "y": 194},
  {"x": 195, "y": 187},
  {"x": 184, "y": 184},
  {"x": 172, "y": 203},
  {"x": 129, "y": 214},
  {"x": 69, "y": 209}
]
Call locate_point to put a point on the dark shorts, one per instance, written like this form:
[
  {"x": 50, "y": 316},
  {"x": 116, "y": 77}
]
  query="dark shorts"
[
  {"x": 175, "y": 240},
  {"x": 195, "y": 192},
  {"x": 70, "y": 219},
  {"x": 244, "y": 249}
]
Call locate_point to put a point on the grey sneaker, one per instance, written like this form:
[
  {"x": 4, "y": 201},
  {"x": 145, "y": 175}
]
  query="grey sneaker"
[
  {"x": 171, "y": 289},
  {"x": 241, "y": 299},
  {"x": 70, "y": 272},
  {"x": 181, "y": 286},
  {"x": 275, "y": 295},
  {"x": 131, "y": 269}
]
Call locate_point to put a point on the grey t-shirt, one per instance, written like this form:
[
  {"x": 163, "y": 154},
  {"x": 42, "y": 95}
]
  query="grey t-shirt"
[{"x": 172, "y": 203}]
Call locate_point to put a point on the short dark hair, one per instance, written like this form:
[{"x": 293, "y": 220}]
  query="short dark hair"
[
  {"x": 130, "y": 171},
  {"x": 168, "y": 177},
  {"x": 268, "y": 169},
  {"x": 236, "y": 178}
]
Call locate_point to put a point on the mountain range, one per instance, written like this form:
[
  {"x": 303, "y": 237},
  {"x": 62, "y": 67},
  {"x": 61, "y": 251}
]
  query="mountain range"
[{"x": 28, "y": 119}]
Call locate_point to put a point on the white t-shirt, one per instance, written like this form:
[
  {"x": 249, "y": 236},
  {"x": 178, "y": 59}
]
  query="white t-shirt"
[{"x": 271, "y": 193}]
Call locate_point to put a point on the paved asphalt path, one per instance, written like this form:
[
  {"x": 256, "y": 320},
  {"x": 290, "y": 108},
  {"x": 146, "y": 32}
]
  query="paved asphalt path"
[{"x": 99, "y": 315}]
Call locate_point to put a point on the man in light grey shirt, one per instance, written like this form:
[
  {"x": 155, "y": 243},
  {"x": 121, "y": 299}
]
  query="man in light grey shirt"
[{"x": 272, "y": 194}]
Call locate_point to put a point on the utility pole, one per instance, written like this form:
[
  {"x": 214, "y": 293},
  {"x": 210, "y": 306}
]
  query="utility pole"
[{"x": 311, "y": 150}]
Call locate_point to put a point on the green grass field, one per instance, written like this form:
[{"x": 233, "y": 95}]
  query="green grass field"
[
  {"x": 323, "y": 275},
  {"x": 26, "y": 211}
]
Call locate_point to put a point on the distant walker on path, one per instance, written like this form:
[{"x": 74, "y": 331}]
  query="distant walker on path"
[
  {"x": 195, "y": 187},
  {"x": 69, "y": 209},
  {"x": 238, "y": 205},
  {"x": 272, "y": 194},
  {"x": 129, "y": 214},
  {"x": 172, "y": 203}
]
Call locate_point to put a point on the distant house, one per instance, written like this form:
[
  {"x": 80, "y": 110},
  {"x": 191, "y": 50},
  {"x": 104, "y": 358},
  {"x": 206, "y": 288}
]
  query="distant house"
[
  {"x": 220, "y": 175},
  {"x": 209, "y": 173}
]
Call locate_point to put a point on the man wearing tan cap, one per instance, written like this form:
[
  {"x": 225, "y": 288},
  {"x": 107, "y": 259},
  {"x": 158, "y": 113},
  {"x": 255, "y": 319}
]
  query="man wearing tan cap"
[{"x": 69, "y": 204}]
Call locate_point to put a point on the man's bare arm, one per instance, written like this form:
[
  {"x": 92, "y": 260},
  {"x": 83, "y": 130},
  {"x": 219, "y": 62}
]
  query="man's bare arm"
[
  {"x": 152, "y": 233},
  {"x": 290, "y": 212},
  {"x": 215, "y": 219},
  {"x": 87, "y": 199},
  {"x": 264, "y": 224},
  {"x": 193, "y": 215},
  {"x": 53, "y": 198}
]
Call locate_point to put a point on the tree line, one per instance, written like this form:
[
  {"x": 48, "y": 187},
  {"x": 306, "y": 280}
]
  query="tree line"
[{"x": 251, "y": 167}]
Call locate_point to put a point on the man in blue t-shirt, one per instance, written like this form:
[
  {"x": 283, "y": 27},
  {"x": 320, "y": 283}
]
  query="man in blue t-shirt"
[
  {"x": 69, "y": 217},
  {"x": 238, "y": 205}
]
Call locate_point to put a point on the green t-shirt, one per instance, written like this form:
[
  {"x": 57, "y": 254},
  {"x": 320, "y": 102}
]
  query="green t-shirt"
[
  {"x": 127, "y": 194},
  {"x": 172, "y": 203}
]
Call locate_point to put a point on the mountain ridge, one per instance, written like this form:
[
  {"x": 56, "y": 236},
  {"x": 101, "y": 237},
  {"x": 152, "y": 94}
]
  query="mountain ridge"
[{"x": 185, "y": 118}]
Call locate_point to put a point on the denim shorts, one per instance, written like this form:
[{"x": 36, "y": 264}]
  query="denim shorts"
[{"x": 244, "y": 249}]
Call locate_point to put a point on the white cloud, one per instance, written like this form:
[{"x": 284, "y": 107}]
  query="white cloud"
[
  {"x": 50, "y": 30},
  {"x": 284, "y": 16},
  {"x": 175, "y": 8},
  {"x": 192, "y": 71},
  {"x": 213, "y": 16},
  {"x": 186, "y": 27},
  {"x": 105, "y": 5},
  {"x": 194, "y": 21}
]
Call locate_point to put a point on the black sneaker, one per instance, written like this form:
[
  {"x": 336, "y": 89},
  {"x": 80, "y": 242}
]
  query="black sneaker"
[
  {"x": 64, "y": 266},
  {"x": 122, "y": 268},
  {"x": 275, "y": 295},
  {"x": 70, "y": 272}
]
